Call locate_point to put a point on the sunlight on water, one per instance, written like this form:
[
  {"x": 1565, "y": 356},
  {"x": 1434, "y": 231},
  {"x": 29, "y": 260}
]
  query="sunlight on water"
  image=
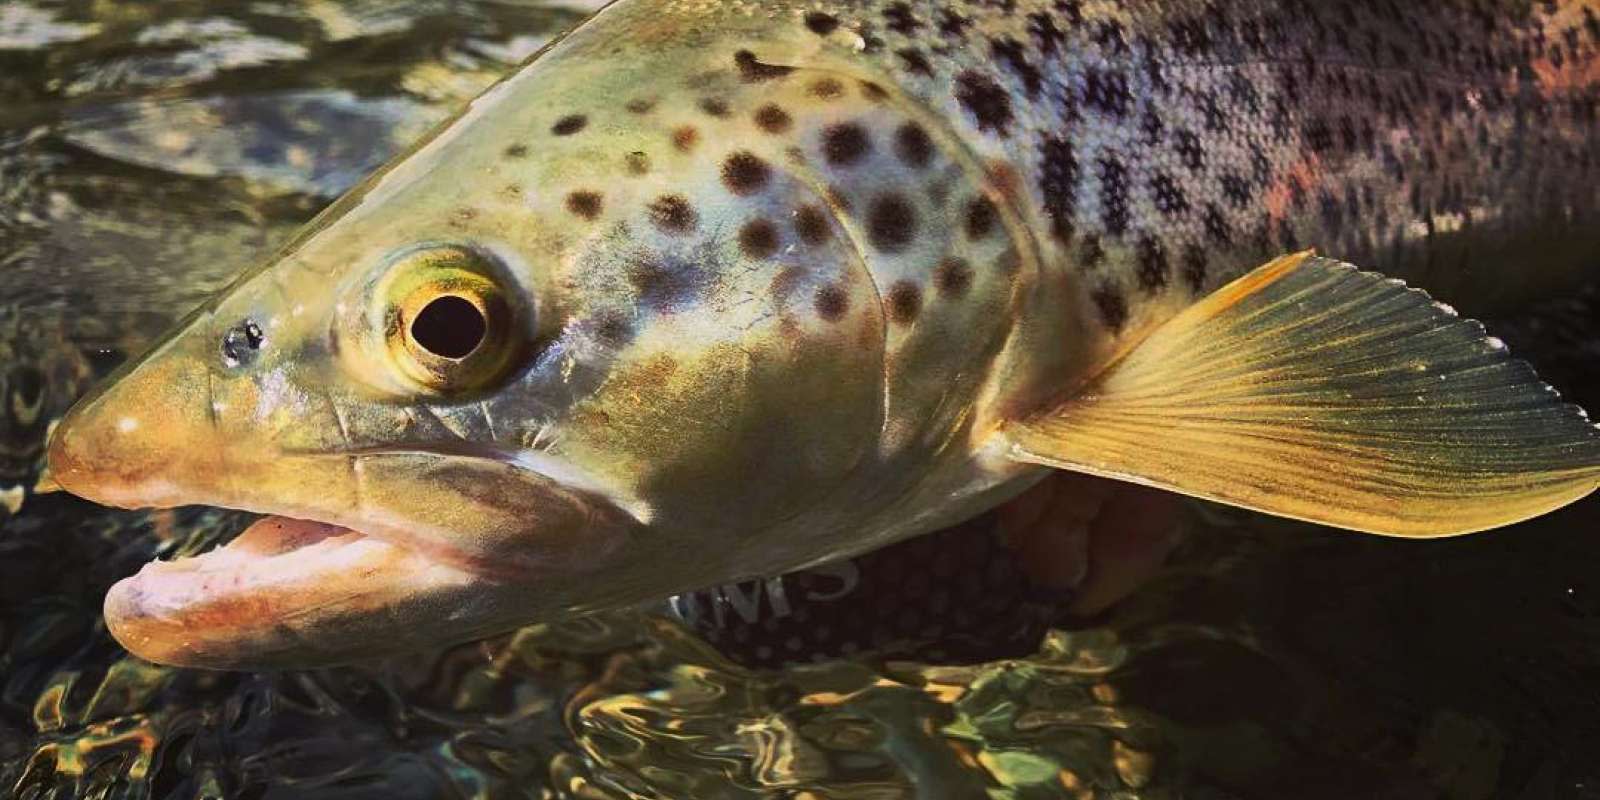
[{"x": 150, "y": 151}]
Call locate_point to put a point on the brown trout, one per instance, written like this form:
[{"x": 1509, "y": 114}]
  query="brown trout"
[{"x": 710, "y": 290}]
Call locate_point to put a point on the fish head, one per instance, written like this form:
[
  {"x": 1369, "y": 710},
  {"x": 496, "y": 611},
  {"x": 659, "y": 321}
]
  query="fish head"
[{"x": 572, "y": 352}]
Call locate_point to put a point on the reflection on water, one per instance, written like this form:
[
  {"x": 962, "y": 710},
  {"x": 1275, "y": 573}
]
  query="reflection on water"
[{"x": 149, "y": 151}]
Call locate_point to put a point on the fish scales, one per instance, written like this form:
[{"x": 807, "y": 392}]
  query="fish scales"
[
  {"x": 1122, "y": 159},
  {"x": 1156, "y": 150}
]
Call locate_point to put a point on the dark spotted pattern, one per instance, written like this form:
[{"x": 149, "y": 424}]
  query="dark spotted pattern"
[
  {"x": 568, "y": 125},
  {"x": 826, "y": 89},
  {"x": 1367, "y": 130},
  {"x": 811, "y": 225},
  {"x": 913, "y": 146},
  {"x": 981, "y": 218},
  {"x": 753, "y": 70},
  {"x": 1111, "y": 305},
  {"x": 758, "y": 239},
  {"x": 773, "y": 120},
  {"x": 831, "y": 303},
  {"x": 953, "y": 276},
  {"x": 891, "y": 223},
  {"x": 684, "y": 138},
  {"x": 845, "y": 144},
  {"x": 822, "y": 24},
  {"x": 989, "y": 104},
  {"x": 585, "y": 204},
  {"x": 745, "y": 174},
  {"x": 673, "y": 214},
  {"x": 904, "y": 302}
]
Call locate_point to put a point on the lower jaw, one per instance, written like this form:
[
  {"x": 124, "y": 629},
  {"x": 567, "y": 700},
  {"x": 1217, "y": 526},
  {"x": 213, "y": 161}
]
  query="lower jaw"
[{"x": 282, "y": 585}]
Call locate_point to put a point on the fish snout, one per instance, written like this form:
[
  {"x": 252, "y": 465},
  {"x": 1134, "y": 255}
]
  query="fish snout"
[{"x": 122, "y": 444}]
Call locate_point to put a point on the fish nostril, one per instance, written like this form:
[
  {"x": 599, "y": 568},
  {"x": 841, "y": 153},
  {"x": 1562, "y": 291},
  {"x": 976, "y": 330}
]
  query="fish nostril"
[{"x": 241, "y": 343}]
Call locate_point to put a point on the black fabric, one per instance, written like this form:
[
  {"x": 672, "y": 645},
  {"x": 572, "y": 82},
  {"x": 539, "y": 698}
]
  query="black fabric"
[{"x": 953, "y": 596}]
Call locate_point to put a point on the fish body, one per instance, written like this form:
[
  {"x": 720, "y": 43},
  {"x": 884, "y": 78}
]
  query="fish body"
[{"x": 714, "y": 290}]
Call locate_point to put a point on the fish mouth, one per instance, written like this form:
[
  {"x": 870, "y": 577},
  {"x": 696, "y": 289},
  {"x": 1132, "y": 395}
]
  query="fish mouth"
[{"x": 276, "y": 593}]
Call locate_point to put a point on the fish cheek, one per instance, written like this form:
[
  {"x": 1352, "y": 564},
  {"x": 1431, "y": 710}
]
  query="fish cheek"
[{"x": 736, "y": 434}]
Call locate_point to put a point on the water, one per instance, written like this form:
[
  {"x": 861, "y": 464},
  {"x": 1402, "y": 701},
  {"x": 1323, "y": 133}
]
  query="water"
[{"x": 148, "y": 151}]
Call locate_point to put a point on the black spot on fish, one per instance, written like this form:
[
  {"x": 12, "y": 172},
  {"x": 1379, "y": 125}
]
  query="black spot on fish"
[
  {"x": 953, "y": 25},
  {"x": 913, "y": 146},
  {"x": 905, "y": 302},
  {"x": 1194, "y": 267},
  {"x": 1091, "y": 254},
  {"x": 845, "y": 143},
  {"x": 901, "y": 20},
  {"x": 831, "y": 303},
  {"x": 891, "y": 223},
  {"x": 915, "y": 61},
  {"x": 1107, "y": 91},
  {"x": 874, "y": 92},
  {"x": 684, "y": 138},
  {"x": 758, "y": 239},
  {"x": 1109, "y": 35},
  {"x": 826, "y": 89},
  {"x": 821, "y": 24},
  {"x": 568, "y": 125},
  {"x": 1058, "y": 185},
  {"x": 638, "y": 163},
  {"x": 714, "y": 107},
  {"x": 1153, "y": 128},
  {"x": 981, "y": 218},
  {"x": 640, "y": 106},
  {"x": 953, "y": 277},
  {"x": 1168, "y": 195},
  {"x": 672, "y": 213},
  {"x": 811, "y": 224},
  {"x": 1045, "y": 34},
  {"x": 752, "y": 70},
  {"x": 1113, "y": 308},
  {"x": 517, "y": 151},
  {"x": 773, "y": 119},
  {"x": 1013, "y": 55},
  {"x": 585, "y": 204},
  {"x": 985, "y": 100},
  {"x": 744, "y": 174},
  {"x": 1152, "y": 268},
  {"x": 1113, "y": 195}
]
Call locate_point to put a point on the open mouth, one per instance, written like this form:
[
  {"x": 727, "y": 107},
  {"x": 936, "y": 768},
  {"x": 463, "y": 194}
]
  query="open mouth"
[{"x": 264, "y": 590}]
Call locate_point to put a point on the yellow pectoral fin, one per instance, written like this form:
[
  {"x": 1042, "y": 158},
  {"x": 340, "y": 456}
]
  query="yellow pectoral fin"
[{"x": 1310, "y": 389}]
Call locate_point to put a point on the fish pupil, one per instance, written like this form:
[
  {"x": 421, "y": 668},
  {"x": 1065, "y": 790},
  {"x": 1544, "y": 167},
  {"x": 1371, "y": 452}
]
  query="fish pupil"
[{"x": 449, "y": 327}]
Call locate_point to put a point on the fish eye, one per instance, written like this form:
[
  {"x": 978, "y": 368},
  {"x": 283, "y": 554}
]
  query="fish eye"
[{"x": 448, "y": 322}]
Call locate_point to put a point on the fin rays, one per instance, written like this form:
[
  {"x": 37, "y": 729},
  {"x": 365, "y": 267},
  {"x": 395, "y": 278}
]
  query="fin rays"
[{"x": 1312, "y": 390}]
